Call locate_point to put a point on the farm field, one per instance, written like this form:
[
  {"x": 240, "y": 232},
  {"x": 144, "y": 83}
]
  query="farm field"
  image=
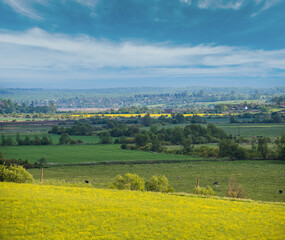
[
  {"x": 244, "y": 129},
  {"x": 261, "y": 180},
  {"x": 31, "y": 211},
  {"x": 254, "y": 129},
  {"x": 70, "y": 154}
]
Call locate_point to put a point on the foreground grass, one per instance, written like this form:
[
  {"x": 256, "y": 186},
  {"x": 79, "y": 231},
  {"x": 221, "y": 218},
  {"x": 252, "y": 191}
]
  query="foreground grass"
[
  {"x": 261, "y": 180},
  {"x": 70, "y": 154},
  {"x": 47, "y": 212}
]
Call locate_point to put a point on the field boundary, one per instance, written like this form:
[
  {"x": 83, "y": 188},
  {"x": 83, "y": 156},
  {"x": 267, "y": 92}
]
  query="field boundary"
[{"x": 145, "y": 162}]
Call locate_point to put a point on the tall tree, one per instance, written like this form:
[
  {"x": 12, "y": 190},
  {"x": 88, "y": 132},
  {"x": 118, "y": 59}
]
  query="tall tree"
[
  {"x": 64, "y": 139},
  {"x": 105, "y": 137},
  {"x": 262, "y": 147},
  {"x": 147, "y": 120}
]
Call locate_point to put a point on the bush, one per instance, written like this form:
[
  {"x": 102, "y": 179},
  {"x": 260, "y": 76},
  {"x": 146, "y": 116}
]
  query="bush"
[
  {"x": 158, "y": 184},
  {"x": 15, "y": 173},
  {"x": 13, "y": 161},
  {"x": 235, "y": 190},
  {"x": 204, "y": 191},
  {"x": 124, "y": 146},
  {"x": 206, "y": 151},
  {"x": 128, "y": 182}
]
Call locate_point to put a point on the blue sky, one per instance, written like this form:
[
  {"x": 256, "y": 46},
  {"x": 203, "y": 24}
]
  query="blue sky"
[{"x": 128, "y": 43}]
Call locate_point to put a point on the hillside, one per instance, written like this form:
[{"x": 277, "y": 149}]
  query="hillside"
[{"x": 31, "y": 211}]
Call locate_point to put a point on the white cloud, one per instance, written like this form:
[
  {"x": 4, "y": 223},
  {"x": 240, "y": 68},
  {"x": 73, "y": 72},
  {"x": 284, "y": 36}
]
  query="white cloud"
[
  {"x": 57, "y": 56},
  {"x": 261, "y": 5},
  {"x": 25, "y": 7},
  {"x": 223, "y": 4},
  {"x": 88, "y": 3},
  {"x": 187, "y": 2},
  {"x": 266, "y": 4}
]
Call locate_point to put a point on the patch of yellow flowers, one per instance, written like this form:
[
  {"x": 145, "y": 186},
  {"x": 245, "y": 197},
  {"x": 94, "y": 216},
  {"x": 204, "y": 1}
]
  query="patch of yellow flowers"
[
  {"x": 29, "y": 211},
  {"x": 109, "y": 115}
]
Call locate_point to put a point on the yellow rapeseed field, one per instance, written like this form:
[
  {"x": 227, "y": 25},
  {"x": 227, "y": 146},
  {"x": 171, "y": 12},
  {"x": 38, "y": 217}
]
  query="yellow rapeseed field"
[
  {"x": 141, "y": 114},
  {"x": 30, "y": 211}
]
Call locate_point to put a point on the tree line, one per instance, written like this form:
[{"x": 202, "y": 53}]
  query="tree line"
[{"x": 8, "y": 106}]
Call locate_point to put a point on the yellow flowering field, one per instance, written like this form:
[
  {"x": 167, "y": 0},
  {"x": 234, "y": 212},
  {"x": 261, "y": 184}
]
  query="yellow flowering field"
[
  {"x": 30, "y": 211},
  {"x": 141, "y": 114}
]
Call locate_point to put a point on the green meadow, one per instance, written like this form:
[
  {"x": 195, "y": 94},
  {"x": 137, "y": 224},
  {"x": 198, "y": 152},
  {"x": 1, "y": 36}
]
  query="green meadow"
[
  {"x": 244, "y": 129},
  {"x": 254, "y": 129},
  {"x": 261, "y": 180},
  {"x": 72, "y": 154}
]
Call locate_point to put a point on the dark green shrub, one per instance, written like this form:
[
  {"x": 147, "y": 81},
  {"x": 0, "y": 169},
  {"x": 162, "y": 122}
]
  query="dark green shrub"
[
  {"x": 124, "y": 146},
  {"x": 128, "y": 182},
  {"x": 13, "y": 161},
  {"x": 15, "y": 173},
  {"x": 158, "y": 184}
]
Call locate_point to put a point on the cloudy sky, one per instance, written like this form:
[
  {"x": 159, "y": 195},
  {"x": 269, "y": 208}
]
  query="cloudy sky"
[{"x": 127, "y": 43}]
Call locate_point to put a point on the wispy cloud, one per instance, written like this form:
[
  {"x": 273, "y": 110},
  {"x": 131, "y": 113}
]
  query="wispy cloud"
[
  {"x": 187, "y": 2},
  {"x": 89, "y": 3},
  {"x": 261, "y": 5},
  {"x": 265, "y": 4},
  {"x": 223, "y": 4},
  {"x": 28, "y": 8},
  {"x": 25, "y": 7},
  {"x": 36, "y": 52}
]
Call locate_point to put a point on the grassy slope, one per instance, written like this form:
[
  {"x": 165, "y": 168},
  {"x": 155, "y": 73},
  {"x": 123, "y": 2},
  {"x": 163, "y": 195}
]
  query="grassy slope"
[
  {"x": 261, "y": 180},
  {"x": 46, "y": 212},
  {"x": 83, "y": 153}
]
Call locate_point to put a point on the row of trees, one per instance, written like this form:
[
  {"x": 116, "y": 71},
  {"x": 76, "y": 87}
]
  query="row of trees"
[
  {"x": 80, "y": 129},
  {"x": 273, "y": 118},
  {"x": 8, "y": 106},
  {"x": 174, "y": 119},
  {"x": 45, "y": 140},
  {"x": 155, "y": 138},
  {"x": 228, "y": 148},
  {"x": 8, "y": 141}
]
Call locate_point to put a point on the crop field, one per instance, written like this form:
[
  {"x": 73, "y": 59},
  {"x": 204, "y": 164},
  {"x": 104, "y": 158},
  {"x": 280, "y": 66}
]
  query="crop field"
[
  {"x": 254, "y": 129},
  {"x": 31, "y": 211},
  {"x": 140, "y": 114},
  {"x": 244, "y": 129},
  {"x": 70, "y": 154},
  {"x": 261, "y": 180}
]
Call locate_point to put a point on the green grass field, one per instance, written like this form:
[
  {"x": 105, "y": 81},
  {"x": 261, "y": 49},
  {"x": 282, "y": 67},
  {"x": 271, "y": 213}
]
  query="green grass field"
[
  {"x": 254, "y": 129},
  {"x": 29, "y": 211},
  {"x": 261, "y": 180},
  {"x": 70, "y": 154},
  {"x": 245, "y": 129}
]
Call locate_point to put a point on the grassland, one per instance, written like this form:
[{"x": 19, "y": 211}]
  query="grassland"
[
  {"x": 47, "y": 212},
  {"x": 245, "y": 129},
  {"x": 261, "y": 180},
  {"x": 254, "y": 129},
  {"x": 70, "y": 154}
]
